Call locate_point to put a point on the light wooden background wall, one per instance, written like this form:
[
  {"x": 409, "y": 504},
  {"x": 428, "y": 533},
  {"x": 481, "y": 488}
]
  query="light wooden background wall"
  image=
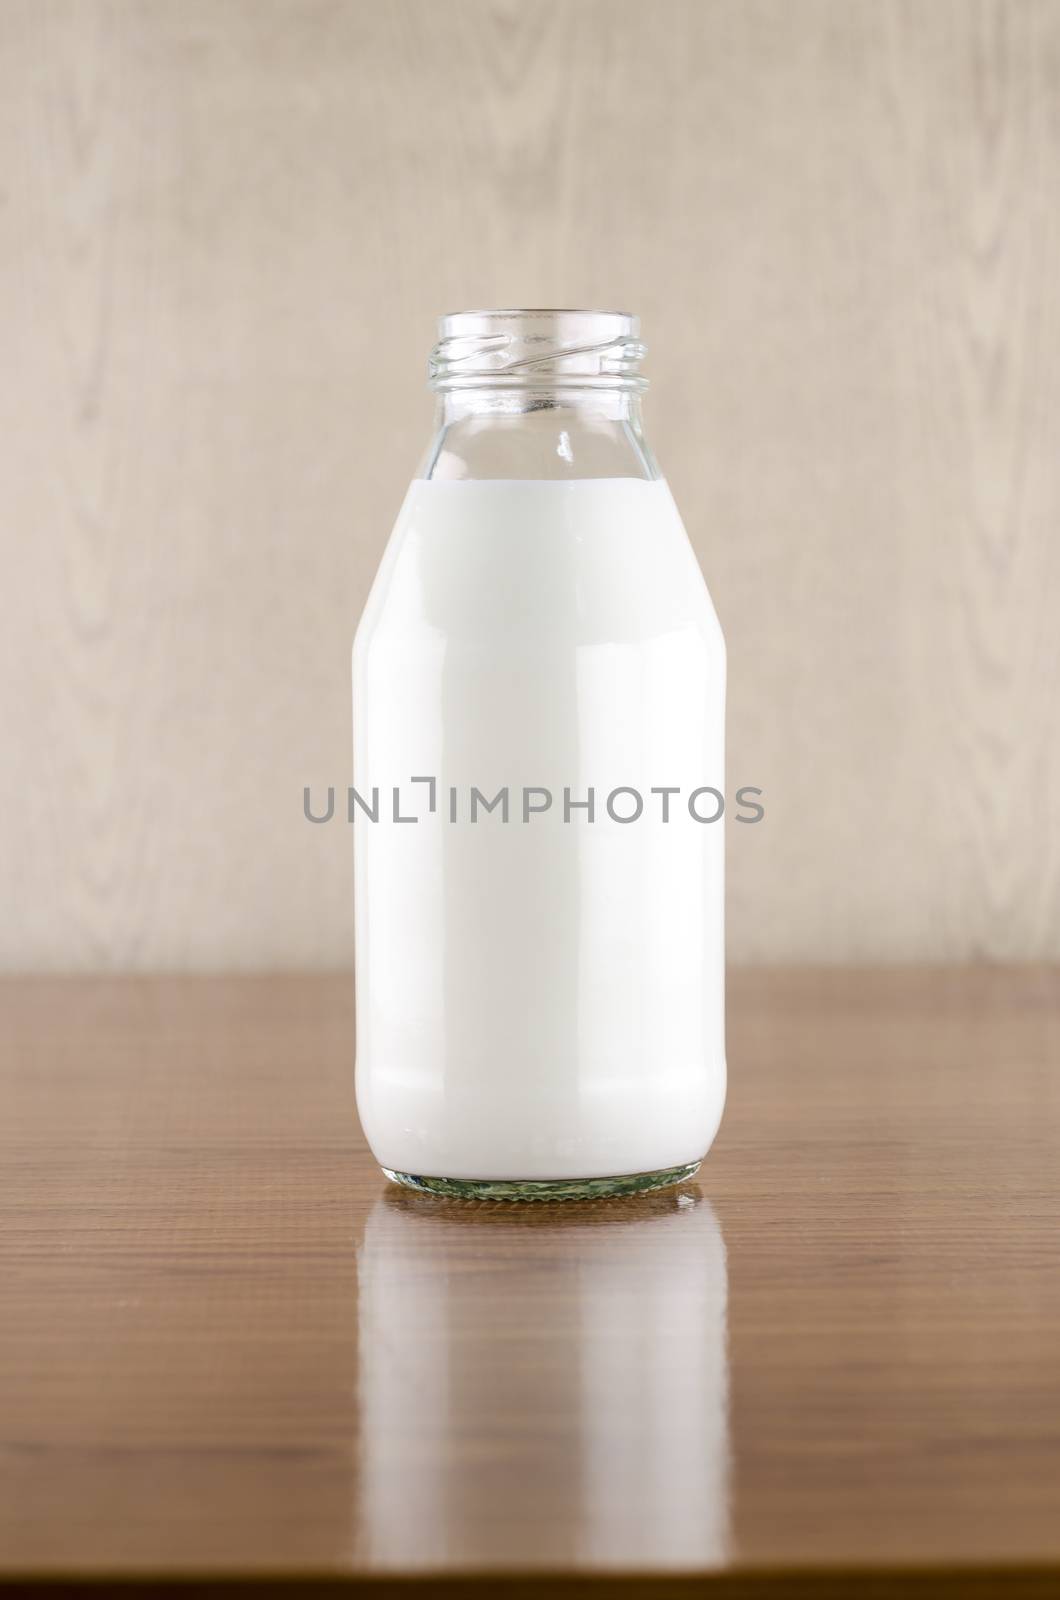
[{"x": 226, "y": 227}]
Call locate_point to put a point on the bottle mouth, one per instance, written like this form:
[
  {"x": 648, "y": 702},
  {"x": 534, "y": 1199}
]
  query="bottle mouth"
[{"x": 537, "y": 349}]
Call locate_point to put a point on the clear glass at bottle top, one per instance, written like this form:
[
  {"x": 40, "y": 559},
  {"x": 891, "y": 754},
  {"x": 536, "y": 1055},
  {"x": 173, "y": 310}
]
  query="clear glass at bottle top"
[
  {"x": 539, "y": 682},
  {"x": 538, "y": 394}
]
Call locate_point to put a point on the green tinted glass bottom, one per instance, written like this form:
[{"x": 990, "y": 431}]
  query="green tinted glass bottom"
[{"x": 550, "y": 1189}]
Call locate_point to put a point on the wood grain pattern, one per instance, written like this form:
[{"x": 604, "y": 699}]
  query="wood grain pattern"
[
  {"x": 829, "y": 1365},
  {"x": 225, "y": 231}
]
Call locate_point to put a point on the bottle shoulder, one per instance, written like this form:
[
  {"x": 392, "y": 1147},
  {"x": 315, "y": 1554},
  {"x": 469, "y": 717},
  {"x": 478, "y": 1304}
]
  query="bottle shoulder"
[{"x": 503, "y": 558}]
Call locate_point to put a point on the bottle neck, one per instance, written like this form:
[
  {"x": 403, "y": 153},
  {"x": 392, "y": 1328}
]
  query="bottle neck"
[
  {"x": 537, "y": 432},
  {"x": 538, "y": 394},
  {"x": 591, "y": 406}
]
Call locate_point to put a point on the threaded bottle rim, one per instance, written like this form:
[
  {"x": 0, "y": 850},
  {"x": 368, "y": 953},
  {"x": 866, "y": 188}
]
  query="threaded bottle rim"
[{"x": 543, "y": 349}]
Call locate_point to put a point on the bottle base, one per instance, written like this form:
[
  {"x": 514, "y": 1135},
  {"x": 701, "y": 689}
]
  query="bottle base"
[{"x": 545, "y": 1188}]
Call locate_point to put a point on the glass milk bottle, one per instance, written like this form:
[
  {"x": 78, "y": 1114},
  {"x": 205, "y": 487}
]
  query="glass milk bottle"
[{"x": 539, "y": 696}]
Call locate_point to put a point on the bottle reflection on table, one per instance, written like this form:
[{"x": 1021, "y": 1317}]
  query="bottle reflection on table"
[{"x": 543, "y": 1385}]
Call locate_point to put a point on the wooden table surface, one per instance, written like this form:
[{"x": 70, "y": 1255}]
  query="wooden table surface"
[{"x": 828, "y": 1366}]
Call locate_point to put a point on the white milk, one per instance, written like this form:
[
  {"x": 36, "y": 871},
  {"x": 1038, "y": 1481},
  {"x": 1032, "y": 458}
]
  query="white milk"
[{"x": 539, "y": 999}]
